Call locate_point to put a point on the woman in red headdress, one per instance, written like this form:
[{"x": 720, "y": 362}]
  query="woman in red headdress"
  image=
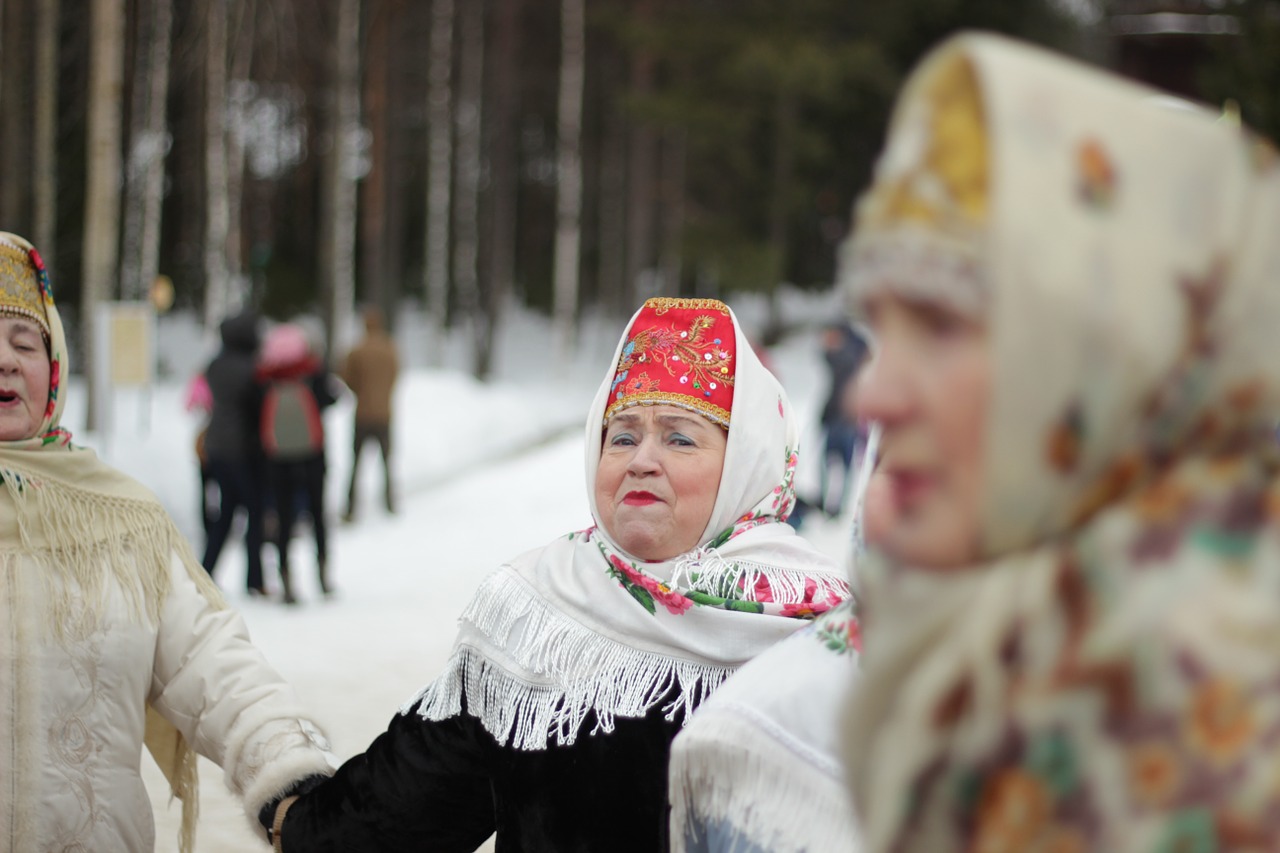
[{"x": 577, "y": 663}]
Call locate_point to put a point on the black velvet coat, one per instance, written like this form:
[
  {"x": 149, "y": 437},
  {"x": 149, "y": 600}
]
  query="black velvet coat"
[{"x": 447, "y": 786}]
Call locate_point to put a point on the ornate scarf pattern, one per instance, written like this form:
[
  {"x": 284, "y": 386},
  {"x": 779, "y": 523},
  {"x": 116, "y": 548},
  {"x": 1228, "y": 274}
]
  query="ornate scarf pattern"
[{"x": 1105, "y": 678}]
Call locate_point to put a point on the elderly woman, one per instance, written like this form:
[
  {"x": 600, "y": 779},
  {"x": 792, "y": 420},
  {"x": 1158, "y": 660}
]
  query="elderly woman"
[
  {"x": 578, "y": 662},
  {"x": 1074, "y": 284},
  {"x": 111, "y": 627}
]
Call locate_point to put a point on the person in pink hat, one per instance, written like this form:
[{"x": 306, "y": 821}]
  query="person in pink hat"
[{"x": 296, "y": 391}]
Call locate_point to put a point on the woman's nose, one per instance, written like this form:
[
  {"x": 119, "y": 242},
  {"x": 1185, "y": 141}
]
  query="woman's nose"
[
  {"x": 8, "y": 358},
  {"x": 882, "y": 394},
  {"x": 646, "y": 458}
]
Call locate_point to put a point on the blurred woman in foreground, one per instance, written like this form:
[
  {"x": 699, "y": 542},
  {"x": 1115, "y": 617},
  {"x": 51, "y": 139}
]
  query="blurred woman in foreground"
[{"x": 1074, "y": 286}]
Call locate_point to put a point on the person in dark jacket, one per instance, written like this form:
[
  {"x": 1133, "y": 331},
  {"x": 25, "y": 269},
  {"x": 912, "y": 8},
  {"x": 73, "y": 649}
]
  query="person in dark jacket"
[
  {"x": 232, "y": 448},
  {"x": 844, "y": 351},
  {"x": 576, "y": 663}
]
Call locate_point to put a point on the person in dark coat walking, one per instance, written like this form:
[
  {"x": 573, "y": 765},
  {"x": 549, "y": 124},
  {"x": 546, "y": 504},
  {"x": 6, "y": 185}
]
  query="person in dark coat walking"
[
  {"x": 232, "y": 448},
  {"x": 844, "y": 351}
]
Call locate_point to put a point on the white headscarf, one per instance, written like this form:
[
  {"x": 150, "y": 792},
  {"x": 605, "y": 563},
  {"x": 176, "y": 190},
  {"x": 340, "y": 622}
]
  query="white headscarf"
[{"x": 579, "y": 626}]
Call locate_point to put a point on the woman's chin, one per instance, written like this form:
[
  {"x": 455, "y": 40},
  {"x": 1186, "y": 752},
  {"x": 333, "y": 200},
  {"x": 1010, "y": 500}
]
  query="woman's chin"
[
  {"x": 15, "y": 426},
  {"x": 927, "y": 546}
]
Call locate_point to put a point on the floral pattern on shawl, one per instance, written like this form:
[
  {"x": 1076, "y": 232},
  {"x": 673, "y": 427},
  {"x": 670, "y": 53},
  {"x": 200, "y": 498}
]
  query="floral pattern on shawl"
[
  {"x": 1105, "y": 678},
  {"x": 738, "y": 588}
]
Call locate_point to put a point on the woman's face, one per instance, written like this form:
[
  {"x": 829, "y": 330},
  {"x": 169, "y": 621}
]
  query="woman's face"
[
  {"x": 24, "y": 378},
  {"x": 928, "y": 387},
  {"x": 657, "y": 481}
]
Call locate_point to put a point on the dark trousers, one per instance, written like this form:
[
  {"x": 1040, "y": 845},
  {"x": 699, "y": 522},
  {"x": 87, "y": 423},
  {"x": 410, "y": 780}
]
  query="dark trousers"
[
  {"x": 289, "y": 479},
  {"x": 239, "y": 487},
  {"x": 842, "y": 440},
  {"x": 380, "y": 433}
]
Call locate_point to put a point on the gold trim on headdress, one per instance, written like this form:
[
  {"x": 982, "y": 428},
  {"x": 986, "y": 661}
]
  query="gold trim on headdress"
[
  {"x": 918, "y": 227},
  {"x": 663, "y": 304},
  {"x": 19, "y": 287},
  {"x": 710, "y": 411}
]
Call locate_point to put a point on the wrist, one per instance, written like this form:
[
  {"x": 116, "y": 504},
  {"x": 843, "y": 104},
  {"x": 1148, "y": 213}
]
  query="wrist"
[{"x": 274, "y": 832}]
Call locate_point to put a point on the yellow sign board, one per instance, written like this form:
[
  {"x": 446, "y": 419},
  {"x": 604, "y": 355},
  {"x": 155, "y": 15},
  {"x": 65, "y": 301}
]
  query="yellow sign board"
[{"x": 130, "y": 331}]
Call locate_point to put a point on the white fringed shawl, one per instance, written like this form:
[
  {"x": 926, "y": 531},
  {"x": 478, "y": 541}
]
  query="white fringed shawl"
[{"x": 580, "y": 626}]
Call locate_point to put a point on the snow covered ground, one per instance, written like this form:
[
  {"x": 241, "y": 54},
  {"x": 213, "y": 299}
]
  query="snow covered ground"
[{"x": 484, "y": 472}]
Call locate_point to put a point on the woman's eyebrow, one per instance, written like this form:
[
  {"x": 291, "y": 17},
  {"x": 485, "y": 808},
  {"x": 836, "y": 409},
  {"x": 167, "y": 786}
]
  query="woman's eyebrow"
[
  {"x": 622, "y": 420},
  {"x": 678, "y": 420}
]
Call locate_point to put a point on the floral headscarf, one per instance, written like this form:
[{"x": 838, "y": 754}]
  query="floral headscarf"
[
  {"x": 25, "y": 292},
  {"x": 580, "y": 626},
  {"x": 1105, "y": 678}
]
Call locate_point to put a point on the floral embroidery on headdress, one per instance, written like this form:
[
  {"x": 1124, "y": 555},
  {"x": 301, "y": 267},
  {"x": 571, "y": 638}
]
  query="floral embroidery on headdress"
[{"x": 680, "y": 353}]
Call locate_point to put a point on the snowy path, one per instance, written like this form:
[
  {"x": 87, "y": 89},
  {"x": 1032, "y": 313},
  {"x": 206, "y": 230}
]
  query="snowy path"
[{"x": 402, "y": 582}]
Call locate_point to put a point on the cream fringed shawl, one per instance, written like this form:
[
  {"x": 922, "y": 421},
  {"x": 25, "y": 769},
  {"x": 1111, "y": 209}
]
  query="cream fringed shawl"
[{"x": 73, "y": 515}]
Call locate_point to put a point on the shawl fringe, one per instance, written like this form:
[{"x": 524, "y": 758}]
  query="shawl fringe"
[
  {"x": 568, "y": 671},
  {"x": 705, "y": 570},
  {"x": 177, "y": 761},
  {"x": 71, "y": 533},
  {"x": 777, "y": 795}
]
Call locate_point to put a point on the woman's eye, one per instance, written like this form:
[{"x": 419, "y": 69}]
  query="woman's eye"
[
  {"x": 623, "y": 440},
  {"x": 681, "y": 440},
  {"x": 941, "y": 321}
]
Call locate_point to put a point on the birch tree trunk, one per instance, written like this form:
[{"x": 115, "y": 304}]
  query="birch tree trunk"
[
  {"x": 439, "y": 174},
  {"x": 149, "y": 144},
  {"x": 217, "y": 286},
  {"x": 374, "y": 188},
  {"x": 569, "y": 173},
  {"x": 466, "y": 221},
  {"x": 496, "y": 268},
  {"x": 337, "y": 263},
  {"x": 44, "y": 157},
  {"x": 102, "y": 191},
  {"x": 240, "y": 92}
]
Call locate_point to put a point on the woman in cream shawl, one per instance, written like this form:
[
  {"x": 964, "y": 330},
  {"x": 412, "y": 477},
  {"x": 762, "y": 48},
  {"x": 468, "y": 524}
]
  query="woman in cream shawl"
[
  {"x": 111, "y": 631},
  {"x": 1072, "y": 639}
]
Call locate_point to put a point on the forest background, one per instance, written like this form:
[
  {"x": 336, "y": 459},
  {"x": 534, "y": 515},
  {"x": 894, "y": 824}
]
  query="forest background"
[{"x": 306, "y": 156}]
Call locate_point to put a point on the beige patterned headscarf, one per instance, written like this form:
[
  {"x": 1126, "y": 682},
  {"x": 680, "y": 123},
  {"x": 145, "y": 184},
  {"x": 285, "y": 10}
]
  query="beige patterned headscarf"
[{"x": 1105, "y": 678}]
